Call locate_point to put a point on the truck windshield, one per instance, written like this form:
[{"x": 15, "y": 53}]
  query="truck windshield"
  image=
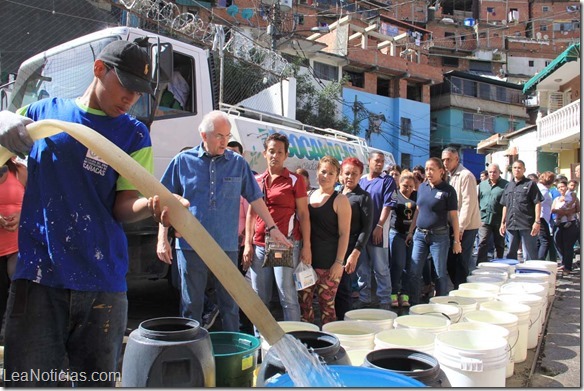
[{"x": 63, "y": 74}]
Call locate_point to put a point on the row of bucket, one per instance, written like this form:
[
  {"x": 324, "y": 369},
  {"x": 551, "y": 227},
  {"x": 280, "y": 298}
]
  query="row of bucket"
[
  {"x": 477, "y": 333},
  {"x": 471, "y": 338}
]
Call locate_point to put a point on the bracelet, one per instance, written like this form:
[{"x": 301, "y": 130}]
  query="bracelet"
[
  {"x": 340, "y": 262},
  {"x": 537, "y": 222},
  {"x": 380, "y": 226},
  {"x": 272, "y": 227}
]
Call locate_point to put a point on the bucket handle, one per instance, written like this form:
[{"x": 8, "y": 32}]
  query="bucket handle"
[
  {"x": 536, "y": 319},
  {"x": 511, "y": 347},
  {"x": 443, "y": 314}
]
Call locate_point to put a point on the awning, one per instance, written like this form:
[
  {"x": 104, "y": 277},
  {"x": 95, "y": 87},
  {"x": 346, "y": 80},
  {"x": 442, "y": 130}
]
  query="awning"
[{"x": 572, "y": 53}]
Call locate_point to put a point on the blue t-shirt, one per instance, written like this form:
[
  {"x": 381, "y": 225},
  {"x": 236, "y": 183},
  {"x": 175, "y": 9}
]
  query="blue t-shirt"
[
  {"x": 213, "y": 186},
  {"x": 68, "y": 237},
  {"x": 434, "y": 203},
  {"x": 383, "y": 193}
]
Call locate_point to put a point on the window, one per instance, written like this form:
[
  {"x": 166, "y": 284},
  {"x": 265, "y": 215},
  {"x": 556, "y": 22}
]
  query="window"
[
  {"x": 357, "y": 78},
  {"x": 326, "y": 71},
  {"x": 450, "y": 35},
  {"x": 414, "y": 92},
  {"x": 406, "y": 160},
  {"x": 478, "y": 122},
  {"x": 545, "y": 8},
  {"x": 564, "y": 26},
  {"x": 530, "y": 63},
  {"x": 481, "y": 66},
  {"x": 450, "y": 61},
  {"x": 469, "y": 88},
  {"x": 543, "y": 27},
  {"x": 382, "y": 87},
  {"x": 513, "y": 15},
  {"x": 501, "y": 94},
  {"x": 485, "y": 91},
  {"x": 405, "y": 128}
]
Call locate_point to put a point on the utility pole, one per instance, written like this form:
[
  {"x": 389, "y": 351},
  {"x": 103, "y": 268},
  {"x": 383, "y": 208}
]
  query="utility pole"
[{"x": 275, "y": 26}]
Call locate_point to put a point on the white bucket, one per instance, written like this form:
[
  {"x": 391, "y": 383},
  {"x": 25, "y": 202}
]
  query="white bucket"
[
  {"x": 429, "y": 323},
  {"x": 503, "y": 319},
  {"x": 414, "y": 339},
  {"x": 497, "y": 266},
  {"x": 357, "y": 356},
  {"x": 288, "y": 325},
  {"x": 538, "y": 267},
  {"x": 380, "y": 318},
  {"x": 479, "y": 296},
  {"x": 451, "y": 311},
  {"x": 550, "y": 266},
  {"x": 492, "y": 329},
  {"x": 487, "y": 279},
  {"x": 536, "y": 315},
  {"x": 518, "y": 288},
  {"x": 534, "y": 278},
  {"x": 490, "y": 273},
  {"x": 465, "y": 303},
  {"x": 522, "y": 311},
  {"x": 471, "y": 358},
  {"x": 479, "y": 286},
  {"x": 353, "y": 334}
]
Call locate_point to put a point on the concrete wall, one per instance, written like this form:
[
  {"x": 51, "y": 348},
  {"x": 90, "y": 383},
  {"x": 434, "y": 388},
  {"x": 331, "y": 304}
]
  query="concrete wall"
[{"x": 389, "y": 138}]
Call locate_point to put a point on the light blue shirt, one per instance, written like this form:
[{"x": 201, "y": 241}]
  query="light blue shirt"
[{"x": 213, "y": 185}]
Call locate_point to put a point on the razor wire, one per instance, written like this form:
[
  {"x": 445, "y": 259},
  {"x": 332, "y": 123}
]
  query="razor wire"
[{"x": 249, "y": 67}]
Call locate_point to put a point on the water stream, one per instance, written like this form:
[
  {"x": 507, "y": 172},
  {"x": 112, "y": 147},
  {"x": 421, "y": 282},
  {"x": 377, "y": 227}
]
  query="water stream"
[{"x": 304, "y": 368}]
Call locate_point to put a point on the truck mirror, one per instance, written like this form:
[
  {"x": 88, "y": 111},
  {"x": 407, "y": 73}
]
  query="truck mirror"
[{"x": 162, "y": 62}]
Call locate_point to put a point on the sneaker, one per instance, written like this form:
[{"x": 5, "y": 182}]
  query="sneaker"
[
  {"x": 394, "y": 301},
  {"x": 404, "y": 300},
  {"x": 210, "y": 317}
]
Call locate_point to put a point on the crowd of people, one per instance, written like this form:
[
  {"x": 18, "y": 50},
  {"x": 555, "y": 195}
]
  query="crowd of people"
[{"x": 375, "y": 239}]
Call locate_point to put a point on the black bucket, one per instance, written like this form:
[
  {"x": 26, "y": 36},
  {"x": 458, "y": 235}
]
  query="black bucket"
[
  {"x": 325, "y": 345},
  {"x": 417, "y": 365},
  {"x": 169, "y": 352}
]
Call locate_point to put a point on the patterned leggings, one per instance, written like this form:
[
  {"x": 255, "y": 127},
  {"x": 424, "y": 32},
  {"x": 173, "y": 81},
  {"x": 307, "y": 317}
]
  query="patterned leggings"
[{"x": 326, "y": 290}]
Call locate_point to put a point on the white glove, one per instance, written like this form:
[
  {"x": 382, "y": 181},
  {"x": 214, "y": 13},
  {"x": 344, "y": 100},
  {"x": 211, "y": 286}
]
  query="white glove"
[{"x": 13, "y": 133}]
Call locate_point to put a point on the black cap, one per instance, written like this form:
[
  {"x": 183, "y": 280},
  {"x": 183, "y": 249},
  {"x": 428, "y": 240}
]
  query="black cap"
[{"x": 131, "y": 64}]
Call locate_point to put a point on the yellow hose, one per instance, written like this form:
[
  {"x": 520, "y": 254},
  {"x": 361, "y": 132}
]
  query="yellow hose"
[{"x": 180, "y": 217}]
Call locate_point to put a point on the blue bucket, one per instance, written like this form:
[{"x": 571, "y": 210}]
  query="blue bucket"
[
  {"x": 531, "y": 271},
  {"x": 506, "y": 261},
  {"x": 350, "y": 376}
]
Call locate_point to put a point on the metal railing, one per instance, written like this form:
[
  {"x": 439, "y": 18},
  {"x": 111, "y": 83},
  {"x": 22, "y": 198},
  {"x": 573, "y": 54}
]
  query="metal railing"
[{"x": 562, "y": 122}]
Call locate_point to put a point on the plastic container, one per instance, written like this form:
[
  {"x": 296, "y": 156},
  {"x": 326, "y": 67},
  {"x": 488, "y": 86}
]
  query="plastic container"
[
  {"x": 534, "y": 277},
  {"x": 465, "y": 303},
  {"x": 490, "y": 273},
  {"x": 496, "y": 266},
  {"x": 536, "y": 315},
  {"x": 538, "y": 271},
  {"x": 479, "y": 286},
  {"x": 411, "y": 363},
  {"x": 236, "y": 357},
  {"x": 429, "y": 323},
  {"x": 361, "y": 377},
  {"x": 451, "y": 311},
  {"x": 519, "y": 288},
  {"x": 325, "y": 345},
  {"x": 287, "y": 326},
  {"x": 353, "y": 334},
  {"x": 479, "y": 296},
  {"x": 550, "y": 266},
  {"x": 503, "y": 319},
  {"x": 168, "y": 352},
  {"x": 472, "y": 358},
  {"x": 522, "y": 311},
  {"x": 357, "y": 356},
  {"x": 487, "y": 279},
  {"x": 414, "y": 339},
  {"x": 383, "y": 319}
]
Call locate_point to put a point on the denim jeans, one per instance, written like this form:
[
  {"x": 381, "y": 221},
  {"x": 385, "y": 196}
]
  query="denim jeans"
[
  {"x": 374, "y": 259},
  {"x": 460, "y": 265},
  {"x": 438, "y": 246},
  {"x": 45, "y": 325},
  {"x": 401, "y": 257},
  {"x": 545, "y": 239},
  {"x": 529, "y": 244},
  {"x": 488, "y": 233},
  {"x": 193, "y": 276},
  {"x": 565, "y": 238},
  {"x": 262, "y": 280}
]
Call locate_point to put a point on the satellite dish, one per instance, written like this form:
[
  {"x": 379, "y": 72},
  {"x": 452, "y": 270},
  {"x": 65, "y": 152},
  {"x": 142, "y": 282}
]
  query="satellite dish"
[
  {"x": 546, "y": 36},
  {"x": 538, "y": 35}
]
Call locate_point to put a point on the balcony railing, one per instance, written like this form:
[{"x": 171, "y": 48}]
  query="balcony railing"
[{"x": 560, "y": 124}]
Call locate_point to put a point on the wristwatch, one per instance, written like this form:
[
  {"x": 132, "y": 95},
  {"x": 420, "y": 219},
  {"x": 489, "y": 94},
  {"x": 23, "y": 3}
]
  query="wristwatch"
[
  {"x": 272, "y": 227},
  {"x": 537, "y": 222}
]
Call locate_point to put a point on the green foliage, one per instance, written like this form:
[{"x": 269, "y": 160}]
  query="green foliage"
[{"x": 318, "y": 106}]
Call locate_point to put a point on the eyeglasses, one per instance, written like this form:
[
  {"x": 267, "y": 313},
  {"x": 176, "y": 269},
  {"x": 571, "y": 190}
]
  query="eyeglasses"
[{"x": 220, "y": 136}]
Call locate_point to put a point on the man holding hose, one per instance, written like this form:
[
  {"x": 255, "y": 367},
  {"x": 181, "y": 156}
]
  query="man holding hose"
[{"x": 68, "y": 297}]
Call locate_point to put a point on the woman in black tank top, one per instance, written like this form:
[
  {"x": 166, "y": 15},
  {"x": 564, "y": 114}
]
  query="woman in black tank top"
[{"x": 330, "y": 219}]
